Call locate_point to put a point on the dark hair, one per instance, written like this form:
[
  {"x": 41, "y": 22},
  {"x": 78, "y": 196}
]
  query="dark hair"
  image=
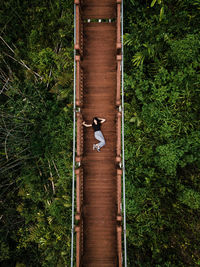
[{"x": 95, "y": 118}]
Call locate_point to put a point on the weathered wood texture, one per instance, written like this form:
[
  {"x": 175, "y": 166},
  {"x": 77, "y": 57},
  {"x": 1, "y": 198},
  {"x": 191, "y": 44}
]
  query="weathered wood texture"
[
  {"x": 101, "y": 204},
  {"x": 100, "y": 173}
]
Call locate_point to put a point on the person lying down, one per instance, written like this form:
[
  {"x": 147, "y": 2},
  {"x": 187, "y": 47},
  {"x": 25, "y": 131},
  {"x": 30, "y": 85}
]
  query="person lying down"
[{"x": 96, "y": 125}]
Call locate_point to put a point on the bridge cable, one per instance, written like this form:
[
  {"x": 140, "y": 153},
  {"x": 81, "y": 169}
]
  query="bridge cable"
[
  {"x": 123, "y": 154},
  {"x": 74, "y": 143}
]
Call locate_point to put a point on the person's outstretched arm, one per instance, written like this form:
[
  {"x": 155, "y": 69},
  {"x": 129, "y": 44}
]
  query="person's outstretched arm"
[
  {"x": 102, "y": 120},
  {"x": 86, "y": 125}
]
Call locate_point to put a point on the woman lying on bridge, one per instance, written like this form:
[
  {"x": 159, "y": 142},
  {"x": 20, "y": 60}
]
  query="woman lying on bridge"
[{"x": 96, "y": 125}]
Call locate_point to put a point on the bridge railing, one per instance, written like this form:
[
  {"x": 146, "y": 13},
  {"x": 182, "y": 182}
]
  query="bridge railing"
[
  {"x": 79, "y": 195},
  {"x": 79, "y": 140},
  {"x": 119, "y": 56},
  {"x": 119, "y": 198},
  {"x": 118, "y": 131},
  {"x": 119, "y": 128},
  {"x": 78, "y": 217},
  {"x": 119, "y": 189},
  {"x": 119, "y": 44},
  {"x": 118, "y": 93},
  {"x": 79, "y": 190},
  {"x": 119, "y": 244},
  {"x": 78, "y": 245},
  {"x": 79, "y": 53},
  {"x": 79, "y": 36},
  {"x": 79, "y": 82}
]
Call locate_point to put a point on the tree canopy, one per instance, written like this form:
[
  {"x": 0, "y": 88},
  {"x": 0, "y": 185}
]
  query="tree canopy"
[
  {"x": 162, "y": 96},
  {"x": 162, "y": 132}
]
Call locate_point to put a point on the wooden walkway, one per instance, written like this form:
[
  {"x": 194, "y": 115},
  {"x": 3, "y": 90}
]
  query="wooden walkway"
[{"x": 98, "y": 59}]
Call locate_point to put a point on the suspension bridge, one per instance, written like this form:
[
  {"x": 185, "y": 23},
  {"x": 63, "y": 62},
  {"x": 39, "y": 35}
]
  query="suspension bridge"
[{"x": 98, "y": 188}]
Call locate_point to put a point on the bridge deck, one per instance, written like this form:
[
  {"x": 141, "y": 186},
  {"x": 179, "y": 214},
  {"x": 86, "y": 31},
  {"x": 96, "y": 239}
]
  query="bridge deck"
[
  {"x": 100, "y": 187},
  {"x": 99, "y": 213}
]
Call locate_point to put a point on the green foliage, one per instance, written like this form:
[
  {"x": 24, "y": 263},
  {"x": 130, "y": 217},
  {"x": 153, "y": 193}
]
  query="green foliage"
[
  {"x": 168, "y": 158},
  {"x": 162, "y": 133},
  {"x": 186, "y": 50},
  {"x": 190, "y": 198},
  {"x": 36, "y": 132}
]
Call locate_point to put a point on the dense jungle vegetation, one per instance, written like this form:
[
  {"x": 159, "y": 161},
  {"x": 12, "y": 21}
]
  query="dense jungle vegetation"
[{"x": 162, "y": 130}]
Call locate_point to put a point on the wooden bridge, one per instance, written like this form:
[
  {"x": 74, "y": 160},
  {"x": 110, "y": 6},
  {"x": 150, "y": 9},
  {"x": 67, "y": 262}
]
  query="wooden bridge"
[{"x": 98, "y": 177}]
